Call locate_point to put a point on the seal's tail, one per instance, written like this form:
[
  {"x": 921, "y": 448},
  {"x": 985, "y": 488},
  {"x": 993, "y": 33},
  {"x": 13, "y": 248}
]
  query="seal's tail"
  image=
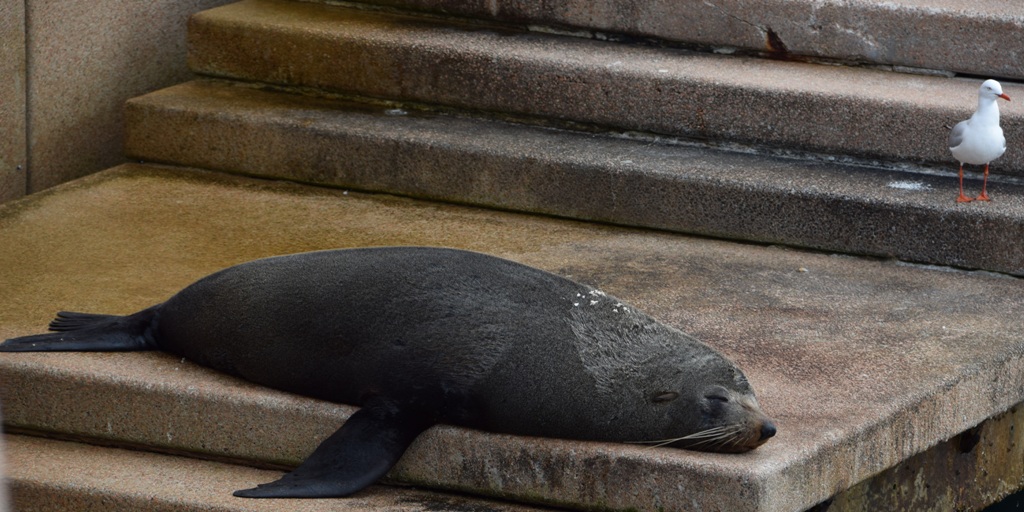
[{"x": 89, "y": 332}]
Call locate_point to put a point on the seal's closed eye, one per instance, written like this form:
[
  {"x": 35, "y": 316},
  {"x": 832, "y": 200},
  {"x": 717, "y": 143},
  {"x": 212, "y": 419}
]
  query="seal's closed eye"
[
  {"x": 717, "y": 394},
  {"x": 665, "y": 396}
]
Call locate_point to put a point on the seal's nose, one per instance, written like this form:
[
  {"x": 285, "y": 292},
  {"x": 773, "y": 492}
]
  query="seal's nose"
[{"x": 767, "y": 430}]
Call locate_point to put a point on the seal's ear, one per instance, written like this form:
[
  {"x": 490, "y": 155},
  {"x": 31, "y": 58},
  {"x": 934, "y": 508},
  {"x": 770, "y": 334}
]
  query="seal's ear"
[{"x": 664, "y": 396}]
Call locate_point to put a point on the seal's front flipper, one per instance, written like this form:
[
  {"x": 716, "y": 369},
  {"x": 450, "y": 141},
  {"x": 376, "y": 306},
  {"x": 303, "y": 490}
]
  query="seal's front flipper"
[
  {"x": 89, "y": 332},
  {"x": 355, "y": 456}
]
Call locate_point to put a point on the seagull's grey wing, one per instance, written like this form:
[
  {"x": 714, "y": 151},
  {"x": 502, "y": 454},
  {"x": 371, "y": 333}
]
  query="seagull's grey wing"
[{"x": 956, "y": 135}]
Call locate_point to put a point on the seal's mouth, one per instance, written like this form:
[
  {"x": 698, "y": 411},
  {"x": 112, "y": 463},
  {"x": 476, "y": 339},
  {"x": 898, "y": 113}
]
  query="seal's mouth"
[{"x": 733, "y": 438}]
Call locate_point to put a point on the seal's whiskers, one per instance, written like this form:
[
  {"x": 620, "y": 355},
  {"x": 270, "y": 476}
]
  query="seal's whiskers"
[{"x": 716, "y": 436}]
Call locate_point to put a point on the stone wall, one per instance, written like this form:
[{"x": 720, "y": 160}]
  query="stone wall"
[
  {"x": 12, "y": 99},
  {"x": 66, "y": 69}
]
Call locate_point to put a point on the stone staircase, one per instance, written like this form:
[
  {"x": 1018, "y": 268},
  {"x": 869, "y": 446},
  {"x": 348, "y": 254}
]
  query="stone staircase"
[
  {"x": 890, "y": 353},
  {"x": 845, "y": 159}
]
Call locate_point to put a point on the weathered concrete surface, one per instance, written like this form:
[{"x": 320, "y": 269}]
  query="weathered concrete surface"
[
  {"x": 831, "y": 109},
  {"x": 987, "y": 463},
  {"x": 12, "y": 99},
  {"x": 862, "y": 363},
  {"x": 973, "y": 37},
  {"x": 610, "y": 179},
  {"x": 61, "y": 476},
  {"x": 86, "y": 58}
]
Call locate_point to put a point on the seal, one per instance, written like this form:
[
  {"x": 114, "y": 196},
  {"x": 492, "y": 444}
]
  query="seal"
[{"x": 417, "y": 336}]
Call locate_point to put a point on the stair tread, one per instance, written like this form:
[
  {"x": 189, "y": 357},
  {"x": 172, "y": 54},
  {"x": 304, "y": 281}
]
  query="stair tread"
[
  {"x": 808, "y": 107},
  {"x": 840, "y": 372}
]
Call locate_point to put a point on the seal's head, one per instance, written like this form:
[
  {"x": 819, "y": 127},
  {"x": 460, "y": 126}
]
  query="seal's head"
[
  {"x": 697, "y": 399},
  {"x": 669, "y": 389},
  {"x": 713, "y": 417}
]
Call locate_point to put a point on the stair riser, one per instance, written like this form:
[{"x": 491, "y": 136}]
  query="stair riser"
[
  {"x": 133, "y": 413},
  {"x": 49, "y": 475}
]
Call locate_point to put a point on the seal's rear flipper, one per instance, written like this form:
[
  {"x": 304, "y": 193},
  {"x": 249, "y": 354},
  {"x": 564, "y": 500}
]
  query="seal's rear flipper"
[
  {"x": 89, "y": 332},
  {"x": 355, "y": 456},
  {"x": 74, "y": 321}
]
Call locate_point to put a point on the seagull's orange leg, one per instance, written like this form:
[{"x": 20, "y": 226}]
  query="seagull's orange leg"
[
  {"x": 983, "y": 196},
  {"x": 962, "y": 198}
]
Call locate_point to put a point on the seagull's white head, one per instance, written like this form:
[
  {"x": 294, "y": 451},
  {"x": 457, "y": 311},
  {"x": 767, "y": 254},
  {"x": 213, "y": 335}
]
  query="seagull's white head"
[{"x": 991, "y": 89}]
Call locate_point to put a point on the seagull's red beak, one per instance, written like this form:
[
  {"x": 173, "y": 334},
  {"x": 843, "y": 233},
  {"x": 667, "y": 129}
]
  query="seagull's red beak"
[{"x": 1005, "y": 97}]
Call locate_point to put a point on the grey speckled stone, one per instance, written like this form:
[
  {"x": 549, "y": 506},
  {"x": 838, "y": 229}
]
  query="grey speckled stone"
[
  {"x": 88, "y": 57},
  {"x": 55, "y": 475},
  {"x": 830, "y": 109},
  {"x": 981, "y": 37},
  {"x": 12, "y": 99},
  {"x": 863, "y": 363},
  {"x": 611, "y": 179}
]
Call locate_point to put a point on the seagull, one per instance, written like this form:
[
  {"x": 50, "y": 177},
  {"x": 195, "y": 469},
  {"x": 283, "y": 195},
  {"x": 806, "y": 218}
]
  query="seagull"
[{"x": 979, "y": 140}]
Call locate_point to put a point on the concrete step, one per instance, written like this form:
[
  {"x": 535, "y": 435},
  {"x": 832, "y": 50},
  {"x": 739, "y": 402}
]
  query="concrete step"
[
  {"x": 640, "y": 182},
  {"x": 863, "y": 363},
  {"x": 50, "y": 475},
  {"x": 975, "y": 38},
  {"x": 869, "y": 114}
]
